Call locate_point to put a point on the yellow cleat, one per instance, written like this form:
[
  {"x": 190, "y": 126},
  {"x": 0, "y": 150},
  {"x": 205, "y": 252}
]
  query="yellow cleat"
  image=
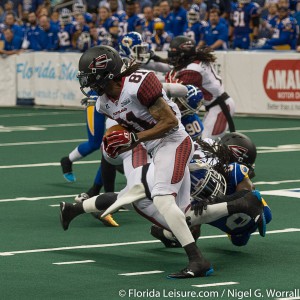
[{"x": 107, "y": 220}]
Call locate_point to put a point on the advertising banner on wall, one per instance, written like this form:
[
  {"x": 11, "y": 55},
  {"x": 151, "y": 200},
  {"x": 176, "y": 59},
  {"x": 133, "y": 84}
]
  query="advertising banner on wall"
[
  {"x": 8, "y": 81},
  {"x": 25, "y": 70},
  {"x": 69, "y": 88},
  {"x": 47, "y": 68},
  {"x": 263, "y": 83}
]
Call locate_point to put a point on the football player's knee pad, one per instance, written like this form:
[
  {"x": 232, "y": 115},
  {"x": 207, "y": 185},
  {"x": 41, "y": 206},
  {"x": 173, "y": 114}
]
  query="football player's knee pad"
[{"x": 164, "y": 203}]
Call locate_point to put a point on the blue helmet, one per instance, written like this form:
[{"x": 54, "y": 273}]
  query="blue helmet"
[
  {"x": 65, "y": 16},
  {"x": 193, "y": 14},
  {"x": 133, "y": 46},
  {"x": 193, "y": 125},
  {"x": 192, "y": 102},
  {"x": 205, "y": 181}
]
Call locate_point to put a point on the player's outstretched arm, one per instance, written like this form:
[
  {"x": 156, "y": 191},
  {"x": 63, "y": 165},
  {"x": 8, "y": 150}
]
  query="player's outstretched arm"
[{"x": 166, "y": 121}]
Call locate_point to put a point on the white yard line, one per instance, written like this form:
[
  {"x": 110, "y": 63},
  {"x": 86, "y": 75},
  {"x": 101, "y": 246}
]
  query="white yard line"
[
  {"x": 37, "y": 198},
  {"x": 42, "y": 142},
  {"x": 216, "y": 284},
  {"x": 50, "y": 164},
  {"x": 36, "y": 114},
  {"x": 141, "y": 273},
  {"x": 10, "y": 253},
  {"x": 271, "y": 129},
  {"x": 74, "y": 262},
  {"x": 276, "y": 182}
]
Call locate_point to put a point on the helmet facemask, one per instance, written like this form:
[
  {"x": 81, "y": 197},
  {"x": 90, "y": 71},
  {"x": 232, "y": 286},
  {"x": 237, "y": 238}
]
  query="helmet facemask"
[
  {"x": 141, "y": 53},
  {"x": 206, "y": 182}
]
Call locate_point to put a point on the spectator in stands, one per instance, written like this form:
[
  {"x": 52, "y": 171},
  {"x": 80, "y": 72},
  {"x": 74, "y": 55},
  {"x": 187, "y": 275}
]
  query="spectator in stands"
[
  {"x": 95, "y": 41},
  {"x": 161, "y": 39},
  {"x": 203, "y": 9},
  {"x": 33, "y": 37},
  {"x": 119, "y": 4},
  {"x": 145, "y": 3},
  {"x": 285, "y": 32},
  {"x": 223, "y": 5},
  {"x": 133, "y": 21},
  {"x": 108, "y": 27},
  {"x": 166, "y": 15},
  {"x": 10, "y": 22},
  {"x": 32, "y": 5},
  {"x": 79, "y": 8},
  {"x": 216, "y": 33},
  {"x": 50, "y": 34},
  {"x": 148, "y": 29},
  {"x": 116, "y": 10},
  {"x": 65, "y": 30},
  {"x": 178, "y": 18},
  {"x": 54, "y": 18},
  {"x": 244, "y": 21},
  {"x": 8, "y": 8},
  {"x": 196, "y": 27},
  {"x": 156, "y": 11},
  {"x": 12, "y": 42},
  {"x": 268, "y": 22},
  {"x": 81, "y": 33}
]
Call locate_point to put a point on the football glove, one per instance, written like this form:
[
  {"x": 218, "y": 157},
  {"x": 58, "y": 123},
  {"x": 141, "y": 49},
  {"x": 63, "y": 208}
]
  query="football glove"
[{"x": 119, "y": 140}]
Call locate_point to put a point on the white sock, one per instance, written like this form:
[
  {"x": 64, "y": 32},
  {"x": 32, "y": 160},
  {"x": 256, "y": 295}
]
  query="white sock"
[
  {"x": 75, "y": 155},
  {"x": 89, "y": 205},
  {"x": 212, "y": 213},
  {"x": 174, "y": 217}
]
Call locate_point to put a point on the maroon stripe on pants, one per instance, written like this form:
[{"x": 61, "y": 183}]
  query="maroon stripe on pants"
[
  {"x": 152, "y": 220},
  {"x": 182, "y": 155},
  {"x": 139, "y": 156},
  {"x": 220, "y": 124}
]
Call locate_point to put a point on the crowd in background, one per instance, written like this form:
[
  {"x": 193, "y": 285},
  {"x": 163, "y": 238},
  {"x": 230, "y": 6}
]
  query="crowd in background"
[{"x": 45, "y": 25}]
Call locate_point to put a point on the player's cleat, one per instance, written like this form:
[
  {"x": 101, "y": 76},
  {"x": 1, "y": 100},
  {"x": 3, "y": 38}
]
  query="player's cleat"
[
  {"x": 81, "y": 197},
  {"x": 193, "y": 270},
  {"x": 66, "y": 166},
  {"x": 107, "y": 220},
  {"x": 250, "y": 204},
  {"x": 157, "y": 232},
  {"x": 68, "y": 212}
]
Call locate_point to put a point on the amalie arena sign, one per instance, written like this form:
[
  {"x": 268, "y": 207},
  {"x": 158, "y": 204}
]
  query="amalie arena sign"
[{"x": 282, "y": 80}]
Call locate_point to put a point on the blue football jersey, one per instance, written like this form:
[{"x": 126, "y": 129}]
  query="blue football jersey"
[
  {"x": 195, "y": 31},
  {"x": 241, "y": 17},
  {"x": 65, "y": 36},
  {"x": 193, "y": 125},
  {"x": 239, "y": 226}
]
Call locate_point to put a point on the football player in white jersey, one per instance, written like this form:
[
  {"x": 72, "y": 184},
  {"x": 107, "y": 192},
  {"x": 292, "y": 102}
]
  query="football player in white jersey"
[
  {"x": 138, "y": 191},
  {"x": 195, "y": 67},
  {"x": 136, "y": 100}
]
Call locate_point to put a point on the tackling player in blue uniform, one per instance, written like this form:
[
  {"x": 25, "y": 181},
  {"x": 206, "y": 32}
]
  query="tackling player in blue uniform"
[{"x": 244, "y": 21}]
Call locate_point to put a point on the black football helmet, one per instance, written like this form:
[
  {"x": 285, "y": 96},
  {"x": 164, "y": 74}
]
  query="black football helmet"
[
  {"x": 242, "y": 149},
  {"x": 97, "y": 66},
  {"x": 181, "y": 50}
]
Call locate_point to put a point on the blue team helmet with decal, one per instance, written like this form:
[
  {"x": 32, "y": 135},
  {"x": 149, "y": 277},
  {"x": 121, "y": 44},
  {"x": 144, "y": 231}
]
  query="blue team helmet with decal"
[
  {"x": 191, "y": 103},
  {"x": 132, "y": 46},
  {"x": 193, "y": 125}
]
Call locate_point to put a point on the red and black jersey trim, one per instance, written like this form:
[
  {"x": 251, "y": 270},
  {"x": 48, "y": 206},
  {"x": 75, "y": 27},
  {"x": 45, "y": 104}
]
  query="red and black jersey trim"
[{"x": 150, "y": 90}]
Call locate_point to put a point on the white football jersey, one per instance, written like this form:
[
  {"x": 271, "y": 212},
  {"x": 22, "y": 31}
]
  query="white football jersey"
[
  {"x": 201, "y": 75},
  {"x": 140, "y": 90}
]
